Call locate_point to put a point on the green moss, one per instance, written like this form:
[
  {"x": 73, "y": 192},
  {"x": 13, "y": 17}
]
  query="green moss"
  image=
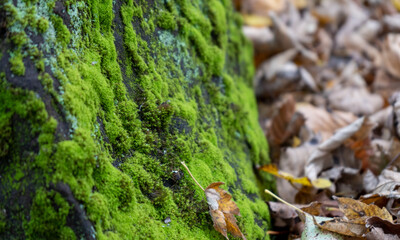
[
  {"x": 196, "y": 17},
  {"x": 17, "y": 64},
  {"x": 46, "y": 81},
  {"x": 167, "y": 20},
  {"x": 62, "y": 33},
  {"x": 98, "y": 211},
  {"x": 40, "y": 65},
  {"x": 42, "y": 24},
  {"x": 12, "y": 13},
  {"x": 218, "y": 20},
  {"x": 48, "y": 217},
  {"x": 137, "y": 100},
  {"x": 19, "y": 38}
]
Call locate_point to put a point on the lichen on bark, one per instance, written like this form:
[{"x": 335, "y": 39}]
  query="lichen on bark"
[{"x": 102, "y": 100}]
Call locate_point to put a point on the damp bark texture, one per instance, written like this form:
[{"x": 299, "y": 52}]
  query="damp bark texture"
[{"x": 100, "y": 101}]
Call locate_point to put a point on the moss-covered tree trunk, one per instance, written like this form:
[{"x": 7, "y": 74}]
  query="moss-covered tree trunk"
[{"x": 101, "y": 100}]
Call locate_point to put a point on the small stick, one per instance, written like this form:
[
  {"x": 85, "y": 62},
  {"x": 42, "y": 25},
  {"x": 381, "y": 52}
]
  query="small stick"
[
  {"x": 392, "y": 161},
  {"x": 198, "y": 184},
  {"x": 276, "y": 232},
  {"x": 280, "y": 199}
]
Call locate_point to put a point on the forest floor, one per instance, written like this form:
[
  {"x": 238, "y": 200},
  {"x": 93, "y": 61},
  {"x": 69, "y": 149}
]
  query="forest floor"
[{"x": 328, "y": 88}]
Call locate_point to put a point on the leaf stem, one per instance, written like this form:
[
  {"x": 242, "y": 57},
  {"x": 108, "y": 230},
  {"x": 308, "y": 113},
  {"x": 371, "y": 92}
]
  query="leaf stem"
[
  {"x": 280, "y": 199},
  {"x": 198, "y": 184}
]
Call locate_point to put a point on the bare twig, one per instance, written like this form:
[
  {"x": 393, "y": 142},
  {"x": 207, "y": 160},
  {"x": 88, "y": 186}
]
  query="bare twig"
[
  {"x": 280, "y": 199},
  {"x": 392, "y": 161},
  {"x": 198, "y": 184}
]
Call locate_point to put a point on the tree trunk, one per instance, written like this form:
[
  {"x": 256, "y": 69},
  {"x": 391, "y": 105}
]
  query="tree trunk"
[{"x": 100, "y": 101}]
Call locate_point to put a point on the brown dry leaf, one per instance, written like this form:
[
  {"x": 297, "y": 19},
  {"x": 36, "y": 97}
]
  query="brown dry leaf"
[
  {"x": 377, "y": 233},
  {"x": 222, "y": 210},
  {"x": 327, "y": 208},
  {"x": 384, "y": 228},
  {"x": 357, "y": 211},
  {"x": 285, "y": 123},
  {"x": 343, "y": 227},
  {"x": 387, "y": 227},
  {"x": 323, "y": 122},
  {"x": 360, "y": 143},
  {"x": 321, "y": 158},
  {"x": 314, "y": 208}
]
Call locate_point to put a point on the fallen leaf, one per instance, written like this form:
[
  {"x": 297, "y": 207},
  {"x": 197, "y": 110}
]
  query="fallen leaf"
[
  {"x": 357, "y": 211},
  {"x": 321, "y": 158},
  {"x": 384, "y": 193},
  {"x": 342, "y": 227},
  {"x": 222, "y": 210},
  {"x": 321, "y": 183},
  {"x": 285, "y": 123},
  {"x": 313, "y": 231},
  {"x": 323, "y": 122},
  {"x": 387, "y": 229},
  {"x": 317, "y": 183},
  {"x": 377, "y": 233},
  {"x": 256, "y": 20},
  {"x": 314, "y": 208},
  {"x": 360, "y": 143},
  {"x": 327, "y": 208}
]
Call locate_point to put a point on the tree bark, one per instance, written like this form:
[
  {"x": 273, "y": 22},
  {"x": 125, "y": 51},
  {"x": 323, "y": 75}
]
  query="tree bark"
[{"x": 100, "y": 101}]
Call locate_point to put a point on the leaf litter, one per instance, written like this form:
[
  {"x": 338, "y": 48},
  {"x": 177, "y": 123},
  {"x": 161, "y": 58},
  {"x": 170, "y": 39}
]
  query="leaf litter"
[{"x": 328, "y": 89}]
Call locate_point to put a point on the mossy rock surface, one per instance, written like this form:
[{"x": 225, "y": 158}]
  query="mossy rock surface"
[{"x": 100, "y": 101}]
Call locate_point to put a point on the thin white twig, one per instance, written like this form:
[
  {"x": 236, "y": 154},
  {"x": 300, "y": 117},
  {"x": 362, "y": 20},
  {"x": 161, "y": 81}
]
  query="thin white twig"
[
  {"x": 280, "y": 199},
  {"x": 198, "y": 184}
]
